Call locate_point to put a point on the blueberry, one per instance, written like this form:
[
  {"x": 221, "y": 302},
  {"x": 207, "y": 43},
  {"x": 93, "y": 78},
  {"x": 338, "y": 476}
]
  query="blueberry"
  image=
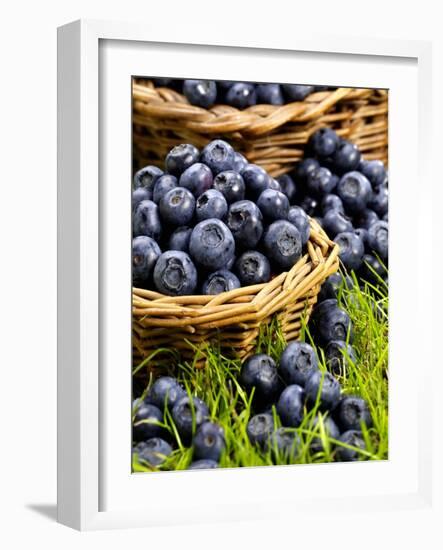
[
  {"x": 353, "y": 438},
  {"x": 241, "y": 95},
  {"x": 375, "y": 171},
  {"x": 240, "y": 162},
  {"x": 346, "y": 157},
  {"x": 231, "y": 185},
  {"x": 146, "y": 422},
  {"x": 378, "y": 238},
  {"x": 330, "y": 429},
  {"x": 296, "y": 92},
  {"x": 179, "y": 239},
  {"x": 140, "y": 194},
  {"x": 165, "y": 391},
  {"x": 175, "y": 274},
  {"x": 283, "y": 244},
  {"x": 351, "y": 412},
  {"x": 321, "y": 182},
  {"x": 259, "y": 372},
  {"x": 323, "y": 142},
  {"x": 212, "y": 244},
  {"x": 269, "y": 93},
  {"x": 146, "y": 220},
  {"x": 284, "y": 444},
  {"x": 260, "y": 428},
  {"x": 332, "y": 202},
  {"x": 355, "y": 191},
  {"x": 180, "y": 158},
  {"x": 351, "y": 249},
  {"x": 146, "y": 177},
  {"x": 220, "y": 281},
  {"x": 366, "y": 218},
  {"x": 306, "y": 167},
  {"x": 252, "y": 268},
  {"x": 177, "y": 206},
  {"x": 332, "y": 323},
  {"x": 371, "y": 270},
  {"x": 297, "y": 362},
  {"x": 163, "y": 184},
  {"x": 274, "y": 205},
  {"x": 334, "y": 222},
  {"x": 309, "y": 205},
  {"x": 363, "y": 234},
  {"x": 298, "y": 217},
  {"x": 203, "y": 465},
  {"x": 145, "y": 253},
  {"x": 290, "y": 406},
  {"x": 337, "y": 355},
  {"x": 274, "y": 185},
  {"x": 219, "y": 156},
  {"x": 324, "y": 386},
  {"x": 330, "y": 288},
  {"x": 162, "y": 82},
  {"x": 380, "y": 200},
  {"x": 188, "y": 414},
  {"x": 202, "y": 93},
  {"x": 154, "y": 451},
  {"x": 288, "y": 187},
  {"x": 197, "y": 178},
  {"x": 245, "y": 222},
  {"x": 385, "y": 218},
  {"x": 209, "y": 441},
  {"x": 256, "y": 180},
  {"x": 211, "y": 204}
]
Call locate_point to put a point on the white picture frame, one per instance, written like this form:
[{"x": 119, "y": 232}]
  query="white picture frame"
[{"x": 95, "y": 487}]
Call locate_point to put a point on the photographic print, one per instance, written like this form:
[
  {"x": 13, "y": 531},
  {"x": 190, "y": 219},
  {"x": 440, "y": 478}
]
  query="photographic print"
[{"x": 259, "y": 273}]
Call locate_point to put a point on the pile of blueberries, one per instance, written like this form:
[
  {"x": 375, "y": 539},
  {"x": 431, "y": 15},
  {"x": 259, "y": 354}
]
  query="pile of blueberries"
[
  {"x": 206, "y": 93},
  {"x": 212, "y": 222}
]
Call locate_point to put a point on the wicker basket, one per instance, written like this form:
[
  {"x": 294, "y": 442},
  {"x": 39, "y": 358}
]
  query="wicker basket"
[
  {"x": 271, "y": 136},
  {"x": 233, "y": 318}
]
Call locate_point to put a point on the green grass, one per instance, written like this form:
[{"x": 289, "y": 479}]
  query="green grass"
[{"x": 230, "y": 405}]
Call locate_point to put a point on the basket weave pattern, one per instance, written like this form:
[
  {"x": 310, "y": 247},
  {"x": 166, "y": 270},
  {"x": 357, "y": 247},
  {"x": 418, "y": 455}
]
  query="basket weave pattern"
[
  {"x": 268, "y": 135},
  {"x": 234, "y": 318}
]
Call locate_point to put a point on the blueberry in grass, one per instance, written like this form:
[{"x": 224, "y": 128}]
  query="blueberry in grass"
[
  {"x": 297, "y": 362},
  {"x": 298, "y": 217},
  {"x": 331, "y": 201},
  {"x": 325, "y": 387},
  {"x": 220, "y": 281},
  {"x": 366, "y": 218},
  {"x": 140, "y": 194},
  {"x": 288, "y": 187},
  {"x": 372, "y": 270},
  {"x": 290, "y": 406},
  {"x": 306, "y": 167},
  {"x": 245, "y": 222},
  {"x": 179, "y": 239},
  {"x": 260, "y": 428},
  {"x": 240, "y": 162},
  {"x": 152, "y": 452},
  {"x": 165, "y": 391},
  {"x": 212, "y": 244},
  {"x": 296, "y": 92},
  {"x": 352, "y": 438},
  {"x": 256, "y": 180},
  {"x": 274, "y": 205},
  {"x": 180, "y": 158},
  {"x": 327, "y": 429},
  {"x": 203, "y": 464},
  {"x": 309, "y": 205},
  {"x": 351, "y": 413},
  {"x": 175, "y": 274},
  {"x": 352, "y": 249},
  {"x": 209, "y": 441},
  {"x": 321, "y": 182},
  {"x": 380, "y": 200},
  {"x": 332, "y": 323},
  {"x": 355, "y": 191},
  {"x": 197, "y": 179},
  {"x": 283, "y": 244},
  {"x": 241, "y": 95},
  {"x": 163, "y": 184},
  {"x": 346, "y": 157},
  {"x": 269, "y": 93},
  {"x": 211, "y": 204},
  {"x": 146, "y": 177},
  {"x": 188, "y": 414},
  {"x": 177, "y": 206},
  {"x": 146, "y": 422},
  {"x": 202, "y": 93},
  {"x": 284, "y": 444},
  {"x": 146, "y": 220},
  {"x": 334, "y": 222},
  {"x": 219, "y": 156},
  {"x": 378, "y": 238},
  {"x": 323, "y": 142},
  {"x": 145, "y": 253},
  {"x": 338, "y": 354},
  {"x": 230, "y": 183},
  {"x": 375, "y": 171},
  {"x": 259, "y": 372},
  {"x": 330, "y": 288},
  {"x": 252, "y": 268}
]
